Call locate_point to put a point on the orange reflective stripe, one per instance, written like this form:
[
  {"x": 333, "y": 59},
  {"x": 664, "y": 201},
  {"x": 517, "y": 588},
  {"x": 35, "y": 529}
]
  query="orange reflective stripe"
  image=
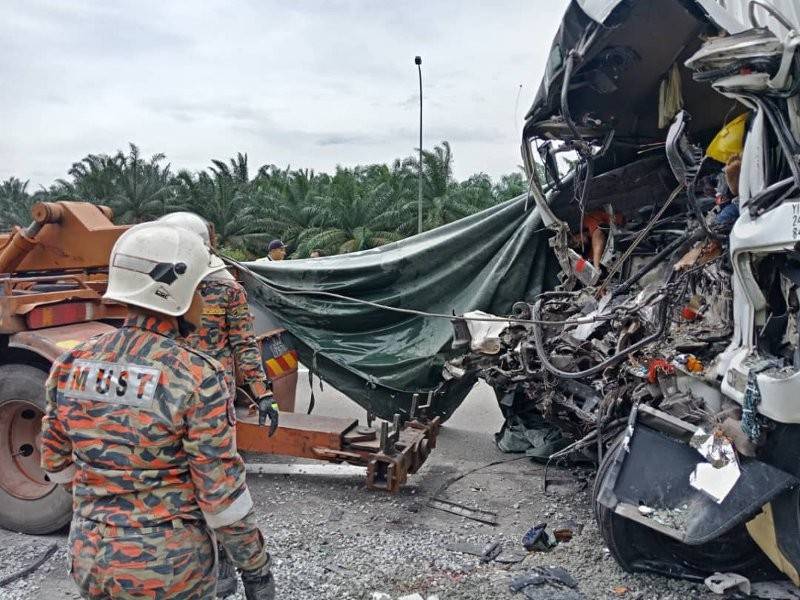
[
  {"x": 291, "y": 359},
  {"x": 274, "y": 367}
]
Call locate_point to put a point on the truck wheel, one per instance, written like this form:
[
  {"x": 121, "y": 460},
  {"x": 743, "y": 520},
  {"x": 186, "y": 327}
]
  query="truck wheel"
[
  {"x": 639, "y": 548},
  {"x": 29, "y": 502}
]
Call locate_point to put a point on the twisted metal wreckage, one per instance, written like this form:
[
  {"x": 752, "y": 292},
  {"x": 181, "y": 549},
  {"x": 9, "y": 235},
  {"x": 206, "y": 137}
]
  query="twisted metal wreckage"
[{"x": 675, "y": 364}]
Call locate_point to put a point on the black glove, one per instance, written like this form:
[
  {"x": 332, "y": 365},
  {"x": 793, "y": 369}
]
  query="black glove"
[
  {"x": 259, "y": 584},
  {"x": 268, "y": 408}
]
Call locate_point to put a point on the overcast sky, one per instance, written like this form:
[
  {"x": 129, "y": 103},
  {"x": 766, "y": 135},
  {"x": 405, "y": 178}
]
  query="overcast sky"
[{"x": 300, "y": 83}]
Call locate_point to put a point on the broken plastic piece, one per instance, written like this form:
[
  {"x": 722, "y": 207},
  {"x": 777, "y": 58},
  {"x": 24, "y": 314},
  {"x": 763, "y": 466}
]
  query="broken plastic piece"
[
  {"x": 714, "y": 447},
  {"x": 720, "y": 583},
  {"x": 583, "y": 269},
  {"x": 538, "y": 538},
  {"x": 718, "y": 476},
  {"x": 542, "y": 575},
  {"x": 484, "y": 335},
  {"x": 693, "y": 364},
  {"x": 658, "y": 365},
  {"x": 564, "y": 532}
]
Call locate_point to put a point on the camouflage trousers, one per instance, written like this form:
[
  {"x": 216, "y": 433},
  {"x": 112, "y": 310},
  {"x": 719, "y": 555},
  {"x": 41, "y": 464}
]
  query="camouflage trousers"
[{"x": 174, "y": 561}]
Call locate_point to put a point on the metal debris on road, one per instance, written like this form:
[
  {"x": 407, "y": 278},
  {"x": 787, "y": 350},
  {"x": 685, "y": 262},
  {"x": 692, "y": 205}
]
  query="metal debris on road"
[
  {"x": 476, "y": 514},
  {"x": 546, "y": 583}
]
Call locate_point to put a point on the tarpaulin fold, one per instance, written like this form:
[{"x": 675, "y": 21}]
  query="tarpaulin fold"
[{"x": 487, "y": 261}]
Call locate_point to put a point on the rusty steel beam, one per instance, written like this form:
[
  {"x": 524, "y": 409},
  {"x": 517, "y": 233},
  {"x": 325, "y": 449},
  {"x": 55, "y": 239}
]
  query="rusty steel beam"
[
  {"x": 298, "y": 434},
  {"x": 389, "y": 454}
]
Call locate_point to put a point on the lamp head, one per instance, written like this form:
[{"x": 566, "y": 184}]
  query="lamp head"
[{"x": 417, "y": 60}]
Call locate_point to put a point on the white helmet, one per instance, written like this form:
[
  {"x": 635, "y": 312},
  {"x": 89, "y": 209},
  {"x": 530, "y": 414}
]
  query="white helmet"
[
  {"x": 158, "y": 267},
  {"x": 196, "y": 224},
  {"x": 191, "y": 221}
]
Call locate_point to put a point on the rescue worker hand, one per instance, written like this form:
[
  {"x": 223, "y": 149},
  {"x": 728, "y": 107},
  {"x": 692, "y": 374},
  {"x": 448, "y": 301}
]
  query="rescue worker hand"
[
  {"x": 268, "y": 408},
  {"x": 259, "y": 584}
]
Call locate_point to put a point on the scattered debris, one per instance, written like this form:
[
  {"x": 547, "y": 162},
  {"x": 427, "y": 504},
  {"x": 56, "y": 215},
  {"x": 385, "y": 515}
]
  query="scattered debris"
[
  {"x": 557, "y": 575},
  {"x": 491, "y": 551},
  {"x": 538, "y": 539},
  {"x": 721, "y": 583},
  {"x": 620, "y": 590},
  {"x": 676, "y": 518},
  {"x": 511, "y": 557},
  {"x": 547, "y": 583},
  {"x": 476, "y": 514},
  {"x": 716, "y": 477},
  {"x": 564, "y": 532}
]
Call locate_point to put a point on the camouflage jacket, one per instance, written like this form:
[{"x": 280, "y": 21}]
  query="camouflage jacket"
[
  {"x": 226, "y": 334},
  {"x": 140, "y": 426}
]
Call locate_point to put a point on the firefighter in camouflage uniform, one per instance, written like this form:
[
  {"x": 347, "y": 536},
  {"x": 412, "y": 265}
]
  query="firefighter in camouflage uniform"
[
  {"x": 226, "y": 334},
  {"x": 140, "y": 427}
]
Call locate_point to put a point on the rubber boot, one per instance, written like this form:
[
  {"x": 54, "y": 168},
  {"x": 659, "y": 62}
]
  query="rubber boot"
[{"x": 259, "y": 584}]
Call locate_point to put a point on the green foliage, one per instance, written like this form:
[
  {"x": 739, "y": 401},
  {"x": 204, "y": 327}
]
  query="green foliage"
[
  {"x": 354, "y": 209},
  {"x": 15, "y": 203},
  {"x": 136, "y": 189},
  {"x": 235, "y": 253}
]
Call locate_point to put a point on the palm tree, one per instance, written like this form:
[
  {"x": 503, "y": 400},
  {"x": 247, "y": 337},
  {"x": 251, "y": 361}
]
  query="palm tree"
[
  {"x": 289, "y": 202},
  {"x": 93, "y": 179},
  {"x": 351, "y": 216},
  {"x": 222, "y": 196},
  {"x": 510, "y": 186},
  {"x": 15, "y": 203},
  {"x": 136, "y": 189},
  {"x": 143, "y": 188},
  {"x": 355, "y": 209},
  {"x": 443, "y": 199}
]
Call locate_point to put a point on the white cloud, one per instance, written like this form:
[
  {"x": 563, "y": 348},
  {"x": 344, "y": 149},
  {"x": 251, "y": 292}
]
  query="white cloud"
[{"x": 306, "y": 83}]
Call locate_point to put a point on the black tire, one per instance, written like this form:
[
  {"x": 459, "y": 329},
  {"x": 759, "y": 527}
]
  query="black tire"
[
  {"x": 48, "y": 507},
  {"x": 639, "y": 548}
]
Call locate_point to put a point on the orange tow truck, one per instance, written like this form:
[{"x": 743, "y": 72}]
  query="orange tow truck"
[{"x": 52, "y": 277}]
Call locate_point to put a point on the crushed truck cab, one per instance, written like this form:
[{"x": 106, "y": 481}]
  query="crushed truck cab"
[{"x": 674, "y": 363}]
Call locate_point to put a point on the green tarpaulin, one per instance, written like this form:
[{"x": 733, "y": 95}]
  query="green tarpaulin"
[{"x": 378, "y": 358}]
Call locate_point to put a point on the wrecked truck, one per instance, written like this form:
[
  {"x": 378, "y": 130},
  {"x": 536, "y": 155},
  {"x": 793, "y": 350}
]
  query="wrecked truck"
[{"x": 668, "y": 353}]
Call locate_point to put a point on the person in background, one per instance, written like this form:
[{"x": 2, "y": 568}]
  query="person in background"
[
  {"x": 315, "y": 254},
  {"x": 226, "y": 335},
  {"x": 276, "y": 250}
]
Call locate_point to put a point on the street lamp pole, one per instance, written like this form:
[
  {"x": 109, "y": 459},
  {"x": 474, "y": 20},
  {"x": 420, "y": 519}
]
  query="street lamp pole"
[{"x": 418, "y": 62}]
